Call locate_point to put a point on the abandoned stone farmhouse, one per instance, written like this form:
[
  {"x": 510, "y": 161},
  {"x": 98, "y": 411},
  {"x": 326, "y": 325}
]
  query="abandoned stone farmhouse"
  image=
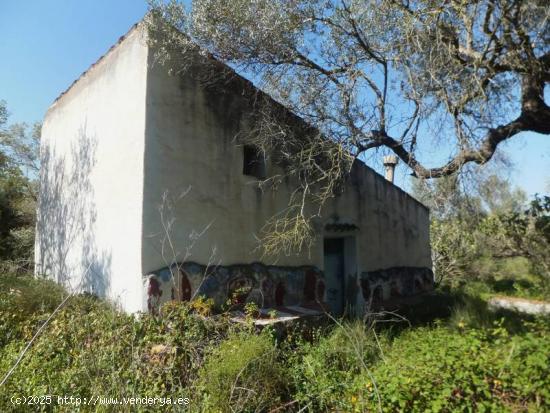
[{"x": 146, "y": 196}]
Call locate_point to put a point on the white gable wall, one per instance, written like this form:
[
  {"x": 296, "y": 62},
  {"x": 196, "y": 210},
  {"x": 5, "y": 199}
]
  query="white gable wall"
[{"x": 89, "y": 219}]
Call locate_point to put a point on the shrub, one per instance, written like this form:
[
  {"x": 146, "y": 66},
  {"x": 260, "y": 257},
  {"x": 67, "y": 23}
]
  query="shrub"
[
  {"x": 438, "y": 369},
  {"x": 89, "y": 348},
  {"x": 243, "y": 374},
  {"x": 324, "y": 368},
  {"x": 24, "y": 302},
  {"x": 202, "y": 305},
  {"x": 473, "y": 361}
]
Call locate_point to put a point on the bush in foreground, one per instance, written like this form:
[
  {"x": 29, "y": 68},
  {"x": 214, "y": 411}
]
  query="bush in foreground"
[
  {"x": 90, "y": 349},
  {"x": 470, "y": 362},
  {"x": 440, "y": 369},
  {"x": 243, "y": 374}
]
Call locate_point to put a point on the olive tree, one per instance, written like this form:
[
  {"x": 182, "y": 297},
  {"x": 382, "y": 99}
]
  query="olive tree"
[
  {"x": 369, "y": 74},
  {"x": 18, "y": 192},
  {"x": 20, "y": 146}
]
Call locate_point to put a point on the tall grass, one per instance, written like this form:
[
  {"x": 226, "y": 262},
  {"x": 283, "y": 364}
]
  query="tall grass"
[{"x": 453, "y": 354}]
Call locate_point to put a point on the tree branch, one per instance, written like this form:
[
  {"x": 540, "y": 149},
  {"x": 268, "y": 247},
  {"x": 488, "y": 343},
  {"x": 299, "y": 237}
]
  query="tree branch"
[{"x": 538, "y": 121}]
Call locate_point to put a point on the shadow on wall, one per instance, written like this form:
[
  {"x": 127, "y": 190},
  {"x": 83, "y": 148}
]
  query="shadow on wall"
[{"x": 66, "y": 219}]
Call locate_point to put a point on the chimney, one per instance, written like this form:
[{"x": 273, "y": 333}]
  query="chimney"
[{"x": 389, "y": 163}]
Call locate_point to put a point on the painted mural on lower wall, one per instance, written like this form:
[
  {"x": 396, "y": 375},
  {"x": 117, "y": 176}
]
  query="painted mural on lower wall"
[
  {"x": 394, "y": 283},
  {"x": 271, "y": 286},
  {"x": 266, "y": 285}
]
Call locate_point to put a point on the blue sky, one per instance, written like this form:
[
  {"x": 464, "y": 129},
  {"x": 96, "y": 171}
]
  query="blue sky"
[{"x": 45, "y": 45}]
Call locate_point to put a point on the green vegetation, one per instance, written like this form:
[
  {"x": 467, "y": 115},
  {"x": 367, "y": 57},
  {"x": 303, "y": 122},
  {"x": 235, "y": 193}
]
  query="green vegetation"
[
  {"x": 91, "y": 349},
  {"x": 19, "y": 164},
  {"x": 243, "y": 371},
  {"x": 468, "y": 359},
  {"x": 448, "y": 353},
  {"x": 440, "y": 369},
  {"x": 488, "y": 237}
]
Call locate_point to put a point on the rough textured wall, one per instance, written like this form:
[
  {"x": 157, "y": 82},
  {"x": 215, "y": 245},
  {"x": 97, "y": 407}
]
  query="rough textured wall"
[
  {"x": 190, "y": 148},
  {"x": 89, "y": 218},
  {"x": 395, "y": 283},
  {"x": 191, "y": 151}
]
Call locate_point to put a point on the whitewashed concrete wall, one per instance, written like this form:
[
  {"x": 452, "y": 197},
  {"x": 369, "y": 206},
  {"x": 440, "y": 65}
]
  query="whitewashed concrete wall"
[
  {"x": 92, "y": 148},
  {"x": 126, "y": 133}
]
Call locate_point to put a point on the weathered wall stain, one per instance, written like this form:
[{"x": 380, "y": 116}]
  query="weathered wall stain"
[{"x": 154, "y": 293}]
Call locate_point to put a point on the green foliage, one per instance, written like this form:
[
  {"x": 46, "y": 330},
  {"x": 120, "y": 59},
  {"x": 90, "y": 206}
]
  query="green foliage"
[
  {"x": 471, "y": 311},
  {"x": 487, "y": 232},
  {"x": 539, "y": 209},
  {"x": 91, "y": 349},
  {"x": 323, "y": 370},
  {"x": 203, "y": 305},
  {"x": 459, "y": 307},
  {"x": 18, "y": 192},
  {"x": 243, "y": 374},
  {"x": 472, "y": 359},
  {"x": 16, "y": 214},
  {"x": 251, "y": 309},
  {"x": 24, "y": 302},
  {"x": 438, "y": 369},
  {"x": 455, "y": 249},
  {"x": 505, "y": 281},
  {"x": 522, "y": 234}
]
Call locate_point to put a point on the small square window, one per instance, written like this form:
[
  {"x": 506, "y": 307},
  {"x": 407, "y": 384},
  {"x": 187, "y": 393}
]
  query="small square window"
[{"x": 254, "y": 162}]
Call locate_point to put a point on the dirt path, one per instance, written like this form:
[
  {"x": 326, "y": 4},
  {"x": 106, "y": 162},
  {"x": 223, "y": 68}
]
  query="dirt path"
[{"x": 523, "y": 305}]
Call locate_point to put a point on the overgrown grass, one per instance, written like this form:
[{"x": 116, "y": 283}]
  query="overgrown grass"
[
  {"x": 454, "y": 354},
  {"x": 91, "y": 349},
  {"x": 244, "y": 371}
]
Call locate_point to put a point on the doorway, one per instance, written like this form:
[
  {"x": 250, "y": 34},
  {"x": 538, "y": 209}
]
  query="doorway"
[{"x": 334, "y": 255}]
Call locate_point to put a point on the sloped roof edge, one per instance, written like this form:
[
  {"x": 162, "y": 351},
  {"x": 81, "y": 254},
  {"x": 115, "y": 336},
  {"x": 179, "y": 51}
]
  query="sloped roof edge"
[{"x": 99, "y": 60}]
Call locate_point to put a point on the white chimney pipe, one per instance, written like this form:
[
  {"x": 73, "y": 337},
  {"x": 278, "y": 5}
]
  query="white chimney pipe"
[{"x": 389, "y": 163}]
